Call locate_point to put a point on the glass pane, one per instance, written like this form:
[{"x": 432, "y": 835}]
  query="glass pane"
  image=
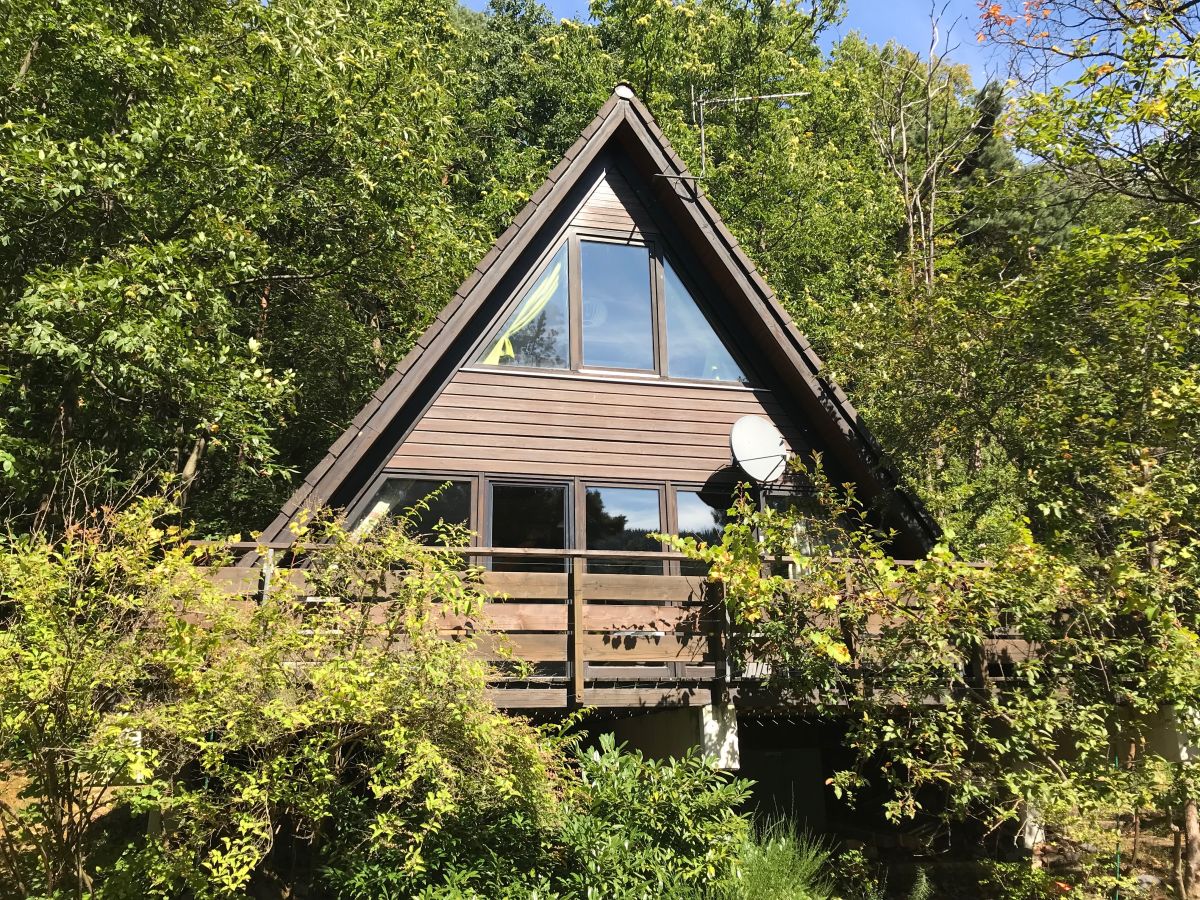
[
  {"x": 702, "y": 517},
  {"x": 617, "y": 325},
  {"x": 693, "y": 348},
  {"x": 810, "y": 535},
  {"x": 529, "y": 515},
  {"x": 622, "y": 519},
  {"x": 536, "y": 334},
  {"x": 409, "y": 497}
]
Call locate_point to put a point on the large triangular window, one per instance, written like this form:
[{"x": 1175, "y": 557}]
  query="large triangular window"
[
  {"x": 694, "y": 350},
  {"x": 623, "y": 289},
  {"x": 537, "y": 335}
]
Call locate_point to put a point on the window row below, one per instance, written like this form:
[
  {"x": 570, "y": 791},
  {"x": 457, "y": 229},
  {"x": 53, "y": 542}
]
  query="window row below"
[{"x": 561, "y": 515}]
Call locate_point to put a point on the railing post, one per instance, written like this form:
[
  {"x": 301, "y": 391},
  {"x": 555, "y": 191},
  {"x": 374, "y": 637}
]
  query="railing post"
[
  {"x": 264, "y": 576},
  {"x": 721, "y": 670},
  {"x": 575, "y": 624}
]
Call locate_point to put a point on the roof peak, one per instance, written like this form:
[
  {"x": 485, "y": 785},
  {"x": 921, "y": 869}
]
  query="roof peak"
[{"x": 625, "y": 124}]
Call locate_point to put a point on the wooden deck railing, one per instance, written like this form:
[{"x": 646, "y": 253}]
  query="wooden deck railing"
[
  {"x": 590, "y": 638},
  {"x": 587, "y": 638}
]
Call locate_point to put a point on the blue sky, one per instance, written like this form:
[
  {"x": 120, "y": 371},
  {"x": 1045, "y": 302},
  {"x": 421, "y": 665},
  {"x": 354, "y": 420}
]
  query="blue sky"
[{"x": 907, "y": 21}]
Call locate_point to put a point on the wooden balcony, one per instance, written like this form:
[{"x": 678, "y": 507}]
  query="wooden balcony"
[
  {"x": 583, "y": 638},
  {"x": 595, "y": 638}
]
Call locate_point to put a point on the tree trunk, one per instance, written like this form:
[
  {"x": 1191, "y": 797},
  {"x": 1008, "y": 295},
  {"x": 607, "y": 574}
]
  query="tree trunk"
[
  {"x": 1191, "y": 849},
  {"x": 1177, "y": 860}
]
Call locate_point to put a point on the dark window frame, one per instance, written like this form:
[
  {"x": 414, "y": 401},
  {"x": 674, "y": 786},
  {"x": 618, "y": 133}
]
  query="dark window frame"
[
  {"x": 570, "y": 514},
  {"x": 689, "y": 487},
  {"x": 575, "y": 500},
  {"x": 657, "y": 312},
  {"x": 659, "y": 251},
  {"x": 357, "y": 510},
  {"x": 662, "y": 488}
]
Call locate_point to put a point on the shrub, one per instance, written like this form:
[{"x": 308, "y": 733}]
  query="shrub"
[
  {"x": 781, "y": 863},
  {"x": 644, "y": 829},
  {"x": 161, "y": 739}
]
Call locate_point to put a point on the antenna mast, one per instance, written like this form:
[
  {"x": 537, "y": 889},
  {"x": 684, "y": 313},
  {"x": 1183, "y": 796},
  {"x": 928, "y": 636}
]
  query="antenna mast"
[{"x": 698, "y": 104}]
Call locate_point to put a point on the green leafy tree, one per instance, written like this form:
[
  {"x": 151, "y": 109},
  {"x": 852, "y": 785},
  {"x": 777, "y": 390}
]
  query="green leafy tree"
[
  {"x": 1123, "y": 113},
  {"x": 1004, "y": 691},
  {"x": 219, "y": 220},
  {"x": 163, "y": 738},
  {"x": 167, "y": 739}
]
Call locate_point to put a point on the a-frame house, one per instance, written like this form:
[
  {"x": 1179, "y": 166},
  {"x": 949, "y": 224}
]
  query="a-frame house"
[
  {"x": 578, "y": 392},
  {"x": 641, "y": 399}
]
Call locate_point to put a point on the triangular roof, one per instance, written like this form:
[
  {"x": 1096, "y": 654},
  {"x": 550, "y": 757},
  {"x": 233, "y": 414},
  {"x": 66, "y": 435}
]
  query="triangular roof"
[{"x": 625, "y": 126}]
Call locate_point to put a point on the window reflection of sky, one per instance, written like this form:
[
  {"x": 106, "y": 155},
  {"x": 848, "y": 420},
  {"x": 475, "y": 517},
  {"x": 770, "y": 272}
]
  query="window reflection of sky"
[
  {"x": 617, "y": 326},
  {"x": 696, "y": 518},
  {"x": 693, "y": 349},
  {"x": 638, "y": 506},
  {"x": 623, "y": 519}
]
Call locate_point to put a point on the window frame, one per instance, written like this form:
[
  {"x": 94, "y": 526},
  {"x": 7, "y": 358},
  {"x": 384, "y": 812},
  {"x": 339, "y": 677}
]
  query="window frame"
[
  {"x": 488, "y": 509},
  {"x": 665, "y": 512},
  {"x": 575, "y": 299},
  {"x": 356, "y": 512},
  {"x": 658, "y": 252},
  {"x": 688, "y": 487},
  {"x": 575, "y": 500}
]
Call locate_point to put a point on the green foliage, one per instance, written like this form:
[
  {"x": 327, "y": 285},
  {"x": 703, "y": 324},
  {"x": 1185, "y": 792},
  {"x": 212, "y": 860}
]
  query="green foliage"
[
  {"x": 1019, "y": 880},
  {"x": 782, "y": 863},
  {"x": 230, "y": 735},
  {"x": 920, "y": 889},
  {"x": 221, "y": 223},
  {"x": 858, "y": 878},
  {"x": 163, "y": 739},
  {"x": 652, "y": 829},
  {"x": 189, "y": 196},
  {"x": 1126, "y": 114},
  {"x": 901, "y": 654}
]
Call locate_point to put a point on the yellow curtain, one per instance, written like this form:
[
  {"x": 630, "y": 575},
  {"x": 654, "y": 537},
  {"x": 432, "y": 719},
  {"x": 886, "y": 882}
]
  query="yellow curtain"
[{"x": 531, "y": 308}]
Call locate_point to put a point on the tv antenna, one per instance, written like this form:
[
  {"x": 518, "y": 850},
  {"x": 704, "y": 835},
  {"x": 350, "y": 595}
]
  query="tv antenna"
[{"x": 698, "y": 104}]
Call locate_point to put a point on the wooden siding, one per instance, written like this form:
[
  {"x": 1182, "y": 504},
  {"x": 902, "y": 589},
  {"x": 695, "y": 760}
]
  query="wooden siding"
[
  {"x": 507, "y": 422},
  {"x": 613, "y": 205}
]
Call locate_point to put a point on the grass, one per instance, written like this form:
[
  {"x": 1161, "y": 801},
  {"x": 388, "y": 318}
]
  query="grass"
[{"x": 782, "y": 863}]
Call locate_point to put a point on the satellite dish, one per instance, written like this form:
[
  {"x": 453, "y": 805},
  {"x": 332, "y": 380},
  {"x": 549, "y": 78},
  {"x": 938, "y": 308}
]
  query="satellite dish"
[{"x": 758, "y": 448}]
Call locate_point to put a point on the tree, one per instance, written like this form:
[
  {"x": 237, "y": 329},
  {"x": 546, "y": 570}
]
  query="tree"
[
  {"x": 221, "y": 223},
  {"x": 1127, "y": 122},
  {"x": 162, "y": 738},
  {"x": 133, "y": 686},
  {"x": 928, "y": 131},
  {"x": 995, "y": 692}
]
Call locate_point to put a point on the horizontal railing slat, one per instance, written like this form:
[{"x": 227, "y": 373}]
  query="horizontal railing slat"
[
  {"x": 692, "y": 617},
  {"x": 513, "y": 616},
  {"x": 527, "y": 585}
]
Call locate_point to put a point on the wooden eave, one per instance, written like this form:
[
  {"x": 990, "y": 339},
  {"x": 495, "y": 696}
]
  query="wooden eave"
[{"x": 624, "y": 122}]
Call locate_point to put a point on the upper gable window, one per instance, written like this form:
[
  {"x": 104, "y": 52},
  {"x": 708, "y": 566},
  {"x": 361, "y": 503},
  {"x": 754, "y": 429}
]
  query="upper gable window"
[
  {"x": 613, "y": 305},
  {"x": 536, "y": 334},
  {"x": 693, "y": 349},
  {"x": 618, "y": 320}
]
